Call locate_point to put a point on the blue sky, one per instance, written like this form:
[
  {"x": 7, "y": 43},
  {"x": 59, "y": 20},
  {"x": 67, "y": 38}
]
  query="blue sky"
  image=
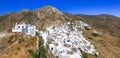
[{"x": 90, "y": 7}]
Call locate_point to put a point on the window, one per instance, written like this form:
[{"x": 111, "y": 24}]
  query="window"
[
  {"x": 22, "y": 26},
  {"x": 18, "y": 26},
  {"x": 32, "y": 29},
  {"x": 52, "y": 48}
]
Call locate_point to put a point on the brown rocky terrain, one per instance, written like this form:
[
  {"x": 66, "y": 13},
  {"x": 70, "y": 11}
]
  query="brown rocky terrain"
[
  {"x": 108, "y": 43},
  {"x": 16, "y": 45},
  {"x": 41, "y": 17}
]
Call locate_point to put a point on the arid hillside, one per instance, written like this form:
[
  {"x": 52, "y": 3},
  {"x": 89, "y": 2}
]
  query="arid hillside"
[
  {"x": 17, "y": 45},
  {"x": 105, "y": 23}
]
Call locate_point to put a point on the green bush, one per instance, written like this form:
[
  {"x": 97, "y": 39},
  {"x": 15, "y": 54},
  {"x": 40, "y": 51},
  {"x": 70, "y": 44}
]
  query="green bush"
[
  {"x": 37, "y": 34},
  {"x": 84, "y": 55},
  {"x": 18, "y": 48},
  {"x": 42, "y": 51},
  {"x": 86, "y": 28},
  {"x": 33, "y": 54},
  {"x": 95, "y": 55}
]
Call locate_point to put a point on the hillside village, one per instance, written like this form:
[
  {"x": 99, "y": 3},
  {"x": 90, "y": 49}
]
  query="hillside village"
[
  {"x": 67, "y": 43},
  {"x": 64, "y": 41}
]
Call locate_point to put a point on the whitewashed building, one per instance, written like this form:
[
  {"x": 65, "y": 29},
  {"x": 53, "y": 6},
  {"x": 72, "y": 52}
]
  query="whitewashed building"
[{"x": 25, "y": 28}]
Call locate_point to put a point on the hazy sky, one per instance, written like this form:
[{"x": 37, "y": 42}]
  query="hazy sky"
[{"x": 91, "y": 7}]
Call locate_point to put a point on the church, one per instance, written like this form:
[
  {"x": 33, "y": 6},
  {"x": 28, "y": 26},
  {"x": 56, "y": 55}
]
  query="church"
[{"x": 25, "y": 28}]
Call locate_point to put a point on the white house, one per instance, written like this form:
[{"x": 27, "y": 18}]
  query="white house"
[
  {"x": 52, "y": 48},
  {"x": 25, "y": 28}
]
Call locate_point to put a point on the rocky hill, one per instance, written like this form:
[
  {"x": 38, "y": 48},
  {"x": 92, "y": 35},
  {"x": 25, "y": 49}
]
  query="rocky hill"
[
  {"x": 41, "y": 17},
  {"x": 53, "y": 25}
]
